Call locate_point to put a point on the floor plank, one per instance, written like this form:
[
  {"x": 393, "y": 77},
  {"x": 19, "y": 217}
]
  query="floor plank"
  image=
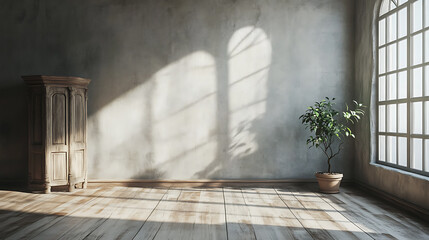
[
  {"x": 271, "y": 218},
  {"x": 126, "y": 220},
  {"x": 51, "y": 214},
  {"x": 118, "y": 212},
  {"x": 238, "y": 215},
  {"x": 377, "y": 219},
  {"x": 318, "y": 214},
  {"x": 163, "y": 211},
  {"x": 209, "y": 220},
  {"x": 181, "y": 222},
  {"x": 86, "y": 218}
]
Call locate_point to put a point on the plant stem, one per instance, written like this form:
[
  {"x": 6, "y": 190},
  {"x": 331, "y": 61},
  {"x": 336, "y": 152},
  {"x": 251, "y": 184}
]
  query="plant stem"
[{"x": 329, "y": 165}]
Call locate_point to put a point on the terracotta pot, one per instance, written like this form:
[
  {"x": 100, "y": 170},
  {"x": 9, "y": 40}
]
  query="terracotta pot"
[{"x": 329, "y": 183}]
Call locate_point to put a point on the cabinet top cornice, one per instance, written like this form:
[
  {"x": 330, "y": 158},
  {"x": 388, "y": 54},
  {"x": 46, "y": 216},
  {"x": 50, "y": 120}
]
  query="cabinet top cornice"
[{"x": 55, "y": 80}]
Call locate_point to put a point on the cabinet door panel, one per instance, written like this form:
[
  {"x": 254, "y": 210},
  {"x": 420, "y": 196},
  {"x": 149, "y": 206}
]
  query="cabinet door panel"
[
  {"x": 37, "y": 166},
  {"x": 59, "y": 124},
  {"x": 59, "y": 167},
  {"x": 77, "y": 134},
  {"x": 78, "y": 164}
]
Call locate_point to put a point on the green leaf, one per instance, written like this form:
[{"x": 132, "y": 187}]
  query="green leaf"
[{"x": 326, "y": 124}]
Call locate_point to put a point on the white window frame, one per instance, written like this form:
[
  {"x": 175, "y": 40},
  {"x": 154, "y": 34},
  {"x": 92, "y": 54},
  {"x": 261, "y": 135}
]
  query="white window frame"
[{"x": 408, "y": 100}]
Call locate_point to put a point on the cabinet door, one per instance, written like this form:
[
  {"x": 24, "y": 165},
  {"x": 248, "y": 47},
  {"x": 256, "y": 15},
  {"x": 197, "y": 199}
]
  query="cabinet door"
[
  {"x": 78, "y": 134},
  {"x": 57, "y": 135},
  {"x": 36, "y": 164}
]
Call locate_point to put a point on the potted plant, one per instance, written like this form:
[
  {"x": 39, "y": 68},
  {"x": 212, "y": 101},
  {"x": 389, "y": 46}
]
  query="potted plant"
[{"x": 327, "y": 127}]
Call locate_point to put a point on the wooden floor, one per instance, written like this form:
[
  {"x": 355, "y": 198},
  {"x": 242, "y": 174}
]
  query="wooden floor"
[{"x": 292, "y": 212}]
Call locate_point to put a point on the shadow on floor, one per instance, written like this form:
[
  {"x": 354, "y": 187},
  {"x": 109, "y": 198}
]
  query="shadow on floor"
[
  {"x": 23, "y": 225},
  {"x": 186, "y": 213}
]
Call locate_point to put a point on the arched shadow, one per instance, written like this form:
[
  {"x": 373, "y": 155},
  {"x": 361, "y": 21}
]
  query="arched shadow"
[{"x": 125, "y": 48}]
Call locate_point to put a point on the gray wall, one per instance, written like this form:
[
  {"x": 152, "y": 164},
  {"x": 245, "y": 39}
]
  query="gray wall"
[
  {"x": 183, "y": 89},
  {"x": 410, "y": 187}
]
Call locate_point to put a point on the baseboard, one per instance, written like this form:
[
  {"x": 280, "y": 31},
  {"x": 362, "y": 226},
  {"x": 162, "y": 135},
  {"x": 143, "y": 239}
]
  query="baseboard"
[
  {"x": 415, "y": 210},
  {"x": 21, "y": 184},
  {"x": 200, "y": 182}
]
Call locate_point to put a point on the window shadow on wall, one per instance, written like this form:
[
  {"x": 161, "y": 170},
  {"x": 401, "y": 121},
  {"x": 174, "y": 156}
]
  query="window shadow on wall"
[{"x": 175, "y": 93}]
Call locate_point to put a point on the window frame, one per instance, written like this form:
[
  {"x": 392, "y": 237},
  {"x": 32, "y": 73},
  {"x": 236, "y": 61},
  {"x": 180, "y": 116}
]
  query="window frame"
[{"x": 408, "y": 100}]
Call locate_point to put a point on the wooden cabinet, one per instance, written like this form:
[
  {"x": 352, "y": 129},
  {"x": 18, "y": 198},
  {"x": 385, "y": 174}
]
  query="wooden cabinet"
[{"x": 57, "y": 132}]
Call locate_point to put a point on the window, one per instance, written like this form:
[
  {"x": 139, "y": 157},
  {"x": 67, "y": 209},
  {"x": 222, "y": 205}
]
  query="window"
[{"x": 403, "y": 85}]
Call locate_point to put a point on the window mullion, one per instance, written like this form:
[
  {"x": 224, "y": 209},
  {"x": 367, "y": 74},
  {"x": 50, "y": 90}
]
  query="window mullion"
[
  {"x": 386, "y": 67},
  {"x": 423, "y": 85},
  {"x": 397, "y": 86},
  {"x": 395, "y": 10},
  {"x": 408, "y": 86}
]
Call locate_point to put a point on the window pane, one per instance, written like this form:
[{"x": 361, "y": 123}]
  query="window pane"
[
  {"x": 391, "y": 57},
  {"x": 426, "y": 155},
  {"x": 416, "y": 153},
  {"x": 427, "y": 44},
  {"x": 391, "y": 26},
  {"x": 402, "y": 84},
  {"x": 402, "y": 54},
  {"x": 402, "y": 23},
  {"x": 402, "y": 151},
  {"x": 417, "y": 19},
  {"x": 382, "y": 89},
  {"x": 391, "y": 118},
  {"x": 426, "y": 13},
  {"x": 426, "y": 80},
  {"x": 382, "y": 148},
  {"x": 417, "y": 49},
  {"x": 426, "y": 117},
  {"x": 382, "y": 60},
  {"x": 384, "y": 7},
  {"x": 391, "y": 149},
  {"x": 402, "y": 2},
  {"x": 391, "y": 86},
  {"x": 382, "y": 32},
  {"x": 416, "y": 109},
  {"x": 382, "y": 118},
  {"x": 417, "y": 82},
  {"x": 392, "y": 5},
  {"x": 402, "y": 118}
]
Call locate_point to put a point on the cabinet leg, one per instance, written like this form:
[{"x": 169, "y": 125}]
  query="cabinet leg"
[
  {"x": 47, "y": 188},
  {"x": 85, "y": 184},
  {"x": 71, "y": 187}
]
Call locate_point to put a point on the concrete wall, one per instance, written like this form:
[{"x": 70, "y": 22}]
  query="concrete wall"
[
  {"x": 407, "y": 186},
  {"x": 183, "y": 89}
]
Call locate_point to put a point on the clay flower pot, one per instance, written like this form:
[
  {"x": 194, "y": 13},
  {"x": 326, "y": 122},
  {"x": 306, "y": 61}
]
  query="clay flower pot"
[{"x": 329, "y": 182}]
